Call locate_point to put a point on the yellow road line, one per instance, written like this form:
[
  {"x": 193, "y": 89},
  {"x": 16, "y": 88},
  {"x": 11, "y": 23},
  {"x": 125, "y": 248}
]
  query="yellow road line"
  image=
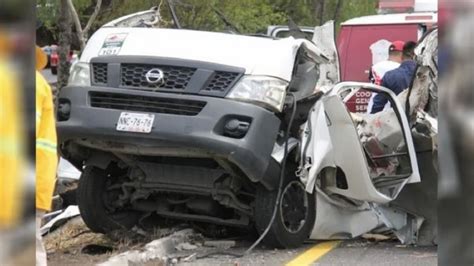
[{"x": 314, "y": 253}]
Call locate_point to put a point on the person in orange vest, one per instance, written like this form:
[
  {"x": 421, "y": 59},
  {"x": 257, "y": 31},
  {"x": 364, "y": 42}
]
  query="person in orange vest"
[{"x": 46, "y": 151}]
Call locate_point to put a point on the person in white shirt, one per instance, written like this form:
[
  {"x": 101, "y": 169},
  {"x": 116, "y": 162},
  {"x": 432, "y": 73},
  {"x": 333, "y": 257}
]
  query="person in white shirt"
[{"x": 378, "y": 70}]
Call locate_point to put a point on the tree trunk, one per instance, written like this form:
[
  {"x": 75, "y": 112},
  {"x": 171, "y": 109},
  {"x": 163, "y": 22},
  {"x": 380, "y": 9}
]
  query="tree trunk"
[
  {"x": 83, "y": 34},
  {"x": 321, "y": 12},
  {"x": 171, "y": 6},
  {"x": 92, "y": 18},
  {"x": 64, "y": 26},
  {"x": 337, "y": 11},
  {"x": 77, "y": 24}
]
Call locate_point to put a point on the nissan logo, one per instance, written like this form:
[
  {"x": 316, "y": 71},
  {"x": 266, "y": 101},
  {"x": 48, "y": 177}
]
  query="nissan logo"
[{"x": 154, "y": 76}]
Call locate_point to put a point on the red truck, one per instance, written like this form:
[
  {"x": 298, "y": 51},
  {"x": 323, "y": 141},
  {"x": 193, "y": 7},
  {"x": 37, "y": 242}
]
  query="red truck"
[{"x": 357, "y": 35}]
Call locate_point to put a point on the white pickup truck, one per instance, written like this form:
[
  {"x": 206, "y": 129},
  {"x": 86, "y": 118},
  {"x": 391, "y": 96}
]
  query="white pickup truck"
[{"x": 212, "y": 128}]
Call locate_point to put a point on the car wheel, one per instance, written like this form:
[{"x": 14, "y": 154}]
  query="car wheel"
[
  {"x": 92, "y": 198},
  {"x": 296, "y": 213},
  {"x": 54, "y": 70}
]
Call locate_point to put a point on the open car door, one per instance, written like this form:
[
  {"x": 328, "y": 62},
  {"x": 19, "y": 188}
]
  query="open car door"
[{"x": 363, "y": 157}]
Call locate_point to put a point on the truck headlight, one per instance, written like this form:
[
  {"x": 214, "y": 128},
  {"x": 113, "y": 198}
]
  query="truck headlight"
[
  {"x": 80, "y": 75},
  {"x": 262, "y": 90}
]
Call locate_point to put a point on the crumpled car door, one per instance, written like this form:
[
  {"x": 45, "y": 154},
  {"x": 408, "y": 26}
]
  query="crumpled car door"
[{"x": 335, "y": 159}]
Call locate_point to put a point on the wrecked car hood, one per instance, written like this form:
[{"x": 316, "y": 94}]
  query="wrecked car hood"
[{"x": 257, "y": 55}]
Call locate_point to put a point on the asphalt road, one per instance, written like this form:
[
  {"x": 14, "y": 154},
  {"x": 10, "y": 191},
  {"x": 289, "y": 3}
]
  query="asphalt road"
[
  {"x": 362, "y": 252},
  {"x": 65, "y": 247},
  {"x": 351, "y": 252}
]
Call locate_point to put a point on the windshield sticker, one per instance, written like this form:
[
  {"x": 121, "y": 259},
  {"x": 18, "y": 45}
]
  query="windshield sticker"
[{"x": 112, "y": 44}]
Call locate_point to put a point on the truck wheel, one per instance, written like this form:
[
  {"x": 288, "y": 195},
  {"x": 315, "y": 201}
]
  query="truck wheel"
[
  {"x": 295, "y": 215},
  {"x": 92, "y": 198},
  {"x": 54, "y": 70}
]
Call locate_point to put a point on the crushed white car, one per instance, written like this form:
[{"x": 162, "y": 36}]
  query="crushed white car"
[{"x": 359, "y": 164}]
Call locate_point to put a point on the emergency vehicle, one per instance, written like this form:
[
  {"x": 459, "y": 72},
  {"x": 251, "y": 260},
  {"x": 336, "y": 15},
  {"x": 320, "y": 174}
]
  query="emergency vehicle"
[{"x": 406, "y": 20}]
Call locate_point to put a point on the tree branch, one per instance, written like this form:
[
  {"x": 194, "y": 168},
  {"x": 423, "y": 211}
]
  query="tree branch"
[
  {"x": 77, "y": 23},
  {"x": 64, "y": 27},
  {"x": 82, "y": 34},
  {"x": 173, "y": 14},
  {"x": 321, "y": 12},
  {"x": 92, "y": 18},
  {"x": 337, "y": 10}
]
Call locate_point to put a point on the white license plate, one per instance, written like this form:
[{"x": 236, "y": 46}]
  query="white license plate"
[{"x": 135, "y": 122}]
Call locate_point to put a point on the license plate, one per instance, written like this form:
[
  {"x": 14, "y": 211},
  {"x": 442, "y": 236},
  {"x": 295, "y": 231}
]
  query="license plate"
[{"x": 135, "y": 122}]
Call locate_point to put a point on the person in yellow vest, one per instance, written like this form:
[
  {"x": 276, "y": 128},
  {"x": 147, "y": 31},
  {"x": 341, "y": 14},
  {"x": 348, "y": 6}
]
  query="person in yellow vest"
[
  {"x": 10, "y": 142},
  {"x": 46, "y": 151},
  {"x": 11, "y": 150}
]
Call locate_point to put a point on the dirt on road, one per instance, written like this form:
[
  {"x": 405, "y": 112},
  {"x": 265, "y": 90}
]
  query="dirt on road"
[{"x": 74, "y": 244}]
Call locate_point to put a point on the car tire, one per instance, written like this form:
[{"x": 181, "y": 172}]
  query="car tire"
[
  {"x": 54, "y": 70},
  {"x": 285, "y": 232},
  {"x": 90, "y": 198}
]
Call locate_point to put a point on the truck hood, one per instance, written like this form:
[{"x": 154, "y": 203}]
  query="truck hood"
[{"x": 257, "y": 55}]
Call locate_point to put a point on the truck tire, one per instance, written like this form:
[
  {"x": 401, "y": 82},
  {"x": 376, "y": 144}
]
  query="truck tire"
[
  {"x": 90, "y": 197},
  {"x": 295, "y": 215}
]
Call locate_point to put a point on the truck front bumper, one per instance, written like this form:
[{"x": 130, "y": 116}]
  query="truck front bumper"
[{"x": 202, "y": 131}]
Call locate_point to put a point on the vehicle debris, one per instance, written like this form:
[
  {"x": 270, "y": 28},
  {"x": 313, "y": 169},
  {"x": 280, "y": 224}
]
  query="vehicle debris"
[
  {"x": 68, "y": 213},
  {"x": 157, "y": 250},
  {"x": 221, "y": 244},
  {"x": 185, "y": 246},
  {"x": 189, "y": 258},
  {"x": 67, "y": 171},
  {"x": 376, "y": 237}
]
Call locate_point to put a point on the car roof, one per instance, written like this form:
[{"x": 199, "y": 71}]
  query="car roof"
[{"x": 400, "y": 18}]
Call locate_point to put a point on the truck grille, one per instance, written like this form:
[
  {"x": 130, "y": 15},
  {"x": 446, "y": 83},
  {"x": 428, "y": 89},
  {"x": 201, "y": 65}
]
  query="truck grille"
[
  {"x": 99, "y": 71},
  {"x": 179, "y": 75},
  {"x": 145, "y": 103},
  {"x": 175, "y": 78},
  {"x": 221, "y": 81}
]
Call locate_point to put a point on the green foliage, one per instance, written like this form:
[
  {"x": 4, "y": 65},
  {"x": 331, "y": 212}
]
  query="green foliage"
[
  {"x": 249, "y": 16},
  {"x": 354, "y": 9},
  {"x": 47, "y": 11},
  {"x": 305, "y": 12}
]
